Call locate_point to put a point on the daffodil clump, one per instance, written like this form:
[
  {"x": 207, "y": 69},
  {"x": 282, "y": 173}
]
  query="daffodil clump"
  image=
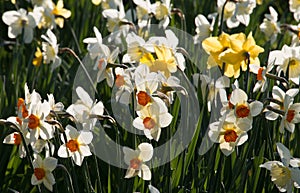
[{"x": 240, "y": 69}]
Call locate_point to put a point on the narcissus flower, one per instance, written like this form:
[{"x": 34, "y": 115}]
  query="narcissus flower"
[
  {"x": 282, "y": 174},
  {"x": 291, "y": 115},
  {"x": 76, "y": 145},
  {"x": 50, "y": 49},
  {"x": 43, "y": 171},
  {"x": 243, "y": 50},
  {"x": 270, "y": 26},
  {"x": 243, "y": 109},
  {"x": 288, "y": 61},
  {"x": 19, "y": 21},
  {"x": 136, "y": 158},
  {"x": 152, "y": 118},
  {"x": 123, "y": 84},
  {"x": 228, "y": 134},
  {"x": 295, "y": 8},
  {"x": 60, "y": 11},
  {"x": 162, "y": 12},
  {"x": 262, "y": 81},
  {"x": 203, "y": 28}
]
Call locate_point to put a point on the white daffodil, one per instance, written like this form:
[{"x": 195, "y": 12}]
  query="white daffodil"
[
  {"x": 50, "y": 49},
  {"x": 37, "y": 121},
  {"x": 54, "y": 106},
  {"x": 76, "y": 145},
  {"x": 144, "y": 9},
  {"x": 262, "y": 81},
  {"x": 279, "y": 95},
  {"x": 243, "y": 109},
  {"x": 94, "y": 43},
  {"x": 152, "y": 189},
  {"x": 44, "y": 17},
  {"x": 288, "y": 61},
  {"x": 270, "y": 26},
  {"x": 146, "y": 83},
  {"x": 16, "y": 139},
  {"x": 212, "y": 87},
  {"x": 123, "y": 84},
  {"x": 43, "y": 171},
  {"x": 19, "y": 22},
  {"x": 229, "y": 134},
  {"x": 229, "y": 12},
  {"x": 203, "y": 28},
  {"x": 282, "y": 174},
  {"x": 84, "y": 108},
  {"x": 162, "y": 12},
  {"x": 136, "y": 158},
  {"x": 295, "y": 8},
  {"x": 152, "y": 118},
  {"x": 291, "y": 115}
]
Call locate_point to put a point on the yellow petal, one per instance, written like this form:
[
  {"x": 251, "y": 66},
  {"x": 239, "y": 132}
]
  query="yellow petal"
[
  {"x": 212, "y": 44},
  {"x": 60, "y": 22},
  {"x": 236, "y": 42},
  {"x": 231, "y": 57}
]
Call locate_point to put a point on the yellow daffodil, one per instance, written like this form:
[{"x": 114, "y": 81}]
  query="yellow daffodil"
[
  {"x": 38, "y": 57},
  {"x": 242, "y": 50},
  {"x": 60, "y": 11}
]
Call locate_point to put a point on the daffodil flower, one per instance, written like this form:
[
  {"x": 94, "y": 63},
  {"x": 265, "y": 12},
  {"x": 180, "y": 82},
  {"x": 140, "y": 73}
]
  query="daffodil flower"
[
  {"x": 60, "y": 11},
  {"x": 291, "y": 115},
  {"x": 295, "y": 8},
  {"x": 242, "y": 50},
  {"x": 43, "y": 171},
  {"x": 162, "y": 12},
  {"x": 54, "y": 106},
  {"x": 19, "y": 22},
  {"x": 152, "y": 118},
  {"x": 262, "y": 81},
  {"x": 243, "y": 109},
  {"x": 144, "y": 9},
  {"x": 288, "y": 61},
  {"x": 84, "y": 108},
  {"x": 76, "y": 145},
  {"x": 50, "y": 49},
  {"x": 229, "y": 11},
  {"x": 279, "y": 95},
  {"x": 282, "y": 174},
  {"x": 228, "y": 134},
  {"x": 123, "y": 84},
  {"x": 135, "y": 160},
  {"x": 270, "y": 26},
  {"x": 203, "y": 28}
]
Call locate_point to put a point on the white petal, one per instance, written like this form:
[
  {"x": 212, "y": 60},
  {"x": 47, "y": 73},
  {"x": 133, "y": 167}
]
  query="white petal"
[
  {"x": 153, "y": 189},
  {"x": 268, "y": 165},
  {"x": 48, "y": 181},
  {"x": 146, "y": 151},
  {"x": 226, "y": 148},
  {"x": 255, "y": 108},
  {"x": 63, "y": 152},
  {"x": 50, "y": 163},
  {"x": 84, "y": 96},
  {"x": 238, "y": 96},
  {"x": 145, "y": 172},
  {"x": 85, "y": 150},
  {"x": 243, "y": 138},
  {"x": 85, "y": 137},
  {"x": 78, "y": 158},
  {"x": 138, "y": 123},
  {"x": 165, "y": 119}
]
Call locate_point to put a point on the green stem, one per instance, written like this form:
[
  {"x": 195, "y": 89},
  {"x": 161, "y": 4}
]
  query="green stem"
[{"x": 222, "y": 17}]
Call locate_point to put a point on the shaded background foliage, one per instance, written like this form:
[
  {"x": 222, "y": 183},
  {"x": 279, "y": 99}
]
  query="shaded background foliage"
[{"x": 189, "y": 172}]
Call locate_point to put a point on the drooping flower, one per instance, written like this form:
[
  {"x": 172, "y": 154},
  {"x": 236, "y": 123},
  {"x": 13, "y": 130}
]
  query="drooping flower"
[
  {"x": 270, "y": 26},
  {"x": 243, "y": 50},
  {"x": 19, "y": 22},
  {"x": 76, "y": 145},
  {"x": 43, "y": 171},
  {"x": 282, "y": 174},
  {"x": 136, "y": 158},
  {"x": 229, "y": 134},
  {"x": 50, "y": 49},
  {"x": 152, "y": 118}
]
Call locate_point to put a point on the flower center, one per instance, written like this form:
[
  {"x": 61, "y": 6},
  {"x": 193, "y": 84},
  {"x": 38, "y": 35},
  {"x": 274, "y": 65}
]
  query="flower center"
[
  {"x": 73, "y": 145},
  {"x": 230, "y": 135},
  {"x": 242, "y": 111},
  {"x": 230, "y": 105},
  {"x": 280, "y": 174},
  {"x": 39, "y": 173},
  {"x": 143, "y": 98},
  {"x": 135, "y": 163},
  {"x": 149, "y": 123},
  {"x": 17, "y": 139},
  {"x": 259, "y": 74},
  {"x": 290, "y": 115},
  {"x": 34, "y": 121},
  {"x": 19, "y": 120},
  {"x": 120, "y": 80},
  {"x": 292, "y": 63}
]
